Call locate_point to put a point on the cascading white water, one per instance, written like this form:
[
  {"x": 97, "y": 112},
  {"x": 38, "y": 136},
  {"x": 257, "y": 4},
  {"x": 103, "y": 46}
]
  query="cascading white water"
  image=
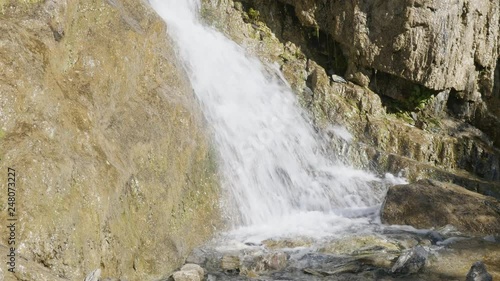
[{"x": 272, "y": 161}]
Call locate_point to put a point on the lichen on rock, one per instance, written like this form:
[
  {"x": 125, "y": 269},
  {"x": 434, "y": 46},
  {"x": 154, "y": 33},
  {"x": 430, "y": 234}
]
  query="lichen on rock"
[{"x": 98, "y": 118}]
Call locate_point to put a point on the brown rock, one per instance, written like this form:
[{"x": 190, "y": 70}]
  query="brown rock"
[
  {"x": 437, "y": 44},
  {"x": 114, "y": 170},
  {"x": 230, "y": 263},
  {"x": 443, "y": 148},
  {"x": 428, "y": 204}
]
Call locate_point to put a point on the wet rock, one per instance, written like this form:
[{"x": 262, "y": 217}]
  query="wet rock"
[
  {"x": 190, "y": 275},
  {"x": 288, "y": 243},
  {"x": 189, "y": 272},
  {"x": 197, "y": 256},
  {"x": 411, "y": 261},
  {"x": 361, "y": 244},
  {"x": 428, "y": 204},
  {"x": 435, "y": 237},
  {"x": 256, "y": 264},
  {"x": 450, "y": 261},
  {"x": 94, "y": 275},
  {"x": 478, "y": 272},
  {"x": 334, "y": 269},
  {"x": 230, "y": 263},
  {"x": 194, "y": 267},
  {"x": 454, "y": 260}
]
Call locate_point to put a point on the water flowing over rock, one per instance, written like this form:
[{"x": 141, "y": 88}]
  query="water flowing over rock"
[
  {"x": 115, "y": 170},
  {"x": 305, "y": 115},
  {"x": 275, "y": 168},
  {"x": 412, "y": 256},
  {"x": 404, "y": 128}
]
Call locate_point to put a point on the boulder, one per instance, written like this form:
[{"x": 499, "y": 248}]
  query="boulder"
[
  {"x": 428, "y": 204},
  {"x": 411, "y": 261},
  {"x": 194, "y": 267},
  {"x": 478, "y": 272},
  {"x": 189, "y": 272},
  {"x": 189, "y": 275}
]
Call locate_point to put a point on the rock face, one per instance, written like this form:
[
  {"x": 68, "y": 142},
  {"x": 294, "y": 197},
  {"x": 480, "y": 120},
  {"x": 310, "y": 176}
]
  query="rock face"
[
  {"x": 114, "y": 169},
  {"x": 427, "y": 204},
  {"x": 397, "y": 123},
  {"x": 434, "y": 43},
  {"x": 440, "y": 45}
]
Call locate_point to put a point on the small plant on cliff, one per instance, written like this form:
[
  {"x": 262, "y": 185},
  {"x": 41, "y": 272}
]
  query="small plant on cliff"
[
  {"x": 419, "y": 97},
  {"x": 253, "y": 15}
]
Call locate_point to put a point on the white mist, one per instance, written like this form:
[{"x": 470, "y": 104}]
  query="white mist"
[{"x": 274, "y": 169}]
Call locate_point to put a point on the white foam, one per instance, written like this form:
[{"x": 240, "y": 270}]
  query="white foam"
[{"x": 277, "y": 177}]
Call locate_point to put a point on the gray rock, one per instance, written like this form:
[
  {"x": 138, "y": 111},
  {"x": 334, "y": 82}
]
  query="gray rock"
[
  {"x": 262, "y": 263},
  {"x": 338, "y": 79},
  {"x": 478, "y": 272},
  {"x": 411, "y": 261},
  {"x": 94, "y": 275},
  {"x": 194, "y": 267},
  {"x": 189, "y": 272},
  {"x": 230, "y": 263},
  {"x": 190, "y": 275}
]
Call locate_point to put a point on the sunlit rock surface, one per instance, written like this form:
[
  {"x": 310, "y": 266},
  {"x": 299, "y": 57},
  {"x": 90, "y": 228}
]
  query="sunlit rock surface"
[{"x": 114, "y": 169}]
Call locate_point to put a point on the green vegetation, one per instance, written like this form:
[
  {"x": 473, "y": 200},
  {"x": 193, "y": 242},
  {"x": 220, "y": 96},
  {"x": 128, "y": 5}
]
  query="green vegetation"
[
  {"x": 405, "y": 116},
  {"x": 253, "y": 15},
  {"x": 314, "y": 32},
  {"x": 419, "y": 97}
]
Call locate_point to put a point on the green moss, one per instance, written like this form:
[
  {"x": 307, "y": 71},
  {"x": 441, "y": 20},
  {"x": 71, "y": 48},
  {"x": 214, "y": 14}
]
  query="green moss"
[
  {"x": 417, "y": 99},
  {"x": 253, "y": 15},
  {"x": 405, "y": 116}
]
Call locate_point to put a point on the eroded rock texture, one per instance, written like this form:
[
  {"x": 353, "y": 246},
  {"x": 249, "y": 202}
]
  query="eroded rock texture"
[
  {"x": 428, "y": 204},
  {"x": 114, "y": 170},
  {"x": 419, "y": 99}
]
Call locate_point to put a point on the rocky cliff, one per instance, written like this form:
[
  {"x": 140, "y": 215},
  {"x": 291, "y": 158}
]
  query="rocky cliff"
[
  {"x": 422, "y": 90},
  {"x": 113, "y": 167},
  {"x": 438, "y": 45}
]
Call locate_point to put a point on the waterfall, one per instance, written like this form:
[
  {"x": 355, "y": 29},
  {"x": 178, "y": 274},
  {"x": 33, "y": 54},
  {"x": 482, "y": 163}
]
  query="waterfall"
[{"x": 274, "y": 168}]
